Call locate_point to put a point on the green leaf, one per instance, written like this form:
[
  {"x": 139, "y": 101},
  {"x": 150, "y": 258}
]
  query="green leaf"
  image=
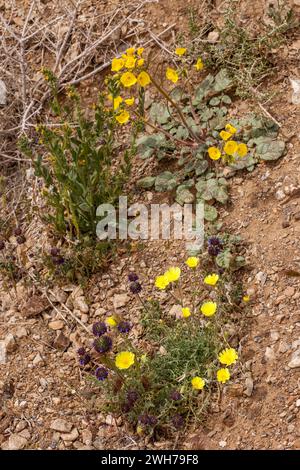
[
  {"x": 166, "y": 181},
  {"x": 210, "y": 213},
  {"x": 201, "y": 167},
  {"x": 184, "y": 196},
  {"x": 159, "y": 113},
  {"x": 146, "y": 182},
  {"x": 222, "y": 81},
  {"x": 203, "y": 90},
  {"x": 269, "y": 149},
  {"x": 224, "y": 259}
]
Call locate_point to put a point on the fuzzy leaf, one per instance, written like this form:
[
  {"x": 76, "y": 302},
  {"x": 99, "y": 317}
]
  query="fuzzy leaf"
[
  {"x": 146, "y": 182},
  {"x": 184, "y": 196},
  {"x": 224, "y": 259},
  {"x": 269, "y": 149},
  {"x": 166, "y": 181},
  {"x": 210, "y": 213}
]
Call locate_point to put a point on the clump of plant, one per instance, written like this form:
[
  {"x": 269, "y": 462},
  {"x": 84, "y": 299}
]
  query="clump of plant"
[
  {"x": 247, "y": 58},
  {"x": 81, "y": 162},
  {"x": 163, "y": 380},
  {"x": 189, "y": 130}
]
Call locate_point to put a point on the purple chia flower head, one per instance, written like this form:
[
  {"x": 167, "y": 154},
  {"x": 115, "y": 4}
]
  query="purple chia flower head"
[
  {"x": 175, "y": 395},
  {"x": 178, "y": 421},
  {"x": 2, "y": 245},
  {"x": 132, "y": 396},
  {"x": 17, "y": 232},
  {"x": 81, "y": 351},
  {"x": 21, "y": 239},
  {"x": 84, "y": 360},
  {"x": 132, "y": 277},
  {"x": 148, "y": 420},
  {"x": 59, "y": 260},
  {"x": 101, "y": 373},
  {"x": 103, "y": 344},
  {"x": 99, "y": 328},
  {"x": 135, "y": 287},
  {"x": 124, "y": 326},
  {"x": 54, "y": 251},
  {"x": 215, "y": 246}
]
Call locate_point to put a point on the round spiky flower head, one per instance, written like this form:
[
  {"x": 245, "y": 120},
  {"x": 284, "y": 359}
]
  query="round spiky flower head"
[
  {"x": 99, "y": 329},
  {"x": 148, "y": 420},
  {"x": 124, "y": 327},
  {"x": 58, "y": 260},
  {"x": 175, "y": 395},
  {"x": 178, "y": 421},
  {"x": 54, "y": 251},
  {"x": 132, "y": 277},
  {"x": 101, "y": 373},
  {"x": 81, "y": 351},
  {"x": 84, "y": 359},
  {"x": 103, "y": 344},
  {"x": 215, "y": 246},
  {"x": 135, "y": 287}
]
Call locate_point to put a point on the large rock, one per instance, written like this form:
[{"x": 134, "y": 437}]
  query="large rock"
[
  {"x": 61, "y": 425},
  {"x": 120, "y": 300},
  {"x": 16, "y": 442},
  {"x": 295, "y": 360}
]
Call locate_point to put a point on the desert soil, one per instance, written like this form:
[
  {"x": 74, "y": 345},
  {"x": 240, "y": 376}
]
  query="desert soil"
[{"x": 45, "y": 400}]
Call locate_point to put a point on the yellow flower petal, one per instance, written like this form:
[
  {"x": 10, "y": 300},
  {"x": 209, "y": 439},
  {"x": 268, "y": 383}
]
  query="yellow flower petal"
[
  {"x": 141, "y": 62},
  {"x": 192, "y": 262},
  {"x": 130, "y": 51},
  {"x": 198, "y": 383},
  {"x": 128, "y": 79},
  {"x": 130, "y": 62},
  {"x": 110, "y": 321},
  {"x": 186, "y": 313},
  {"x": 172, "y": 75},
  {"x": 223, "y": 375},
  {"x": 129, "y": 101},
  {"x": 117, "y": 64},
  {"x": 242, "y": 150},
  {"x": 230, "y": 147},
  {"x": 180, "y": 51},
  {"x": 161, "y": 282},
  {"x": 230, "y": 128},
  {"x": 211, "y": 279},
  {"x": 123, "y": 117},
  {"x": 140, "y": 51},
  {"x": 173, "y": 274},
  {"x": 143, "y": 79},
  {"x": 214, "y": 153},
  {"x": 208, "y": 309},
  {"x": 124, "y": 360},
  {"x": 199, "y": 65},
  {"x": 228, "y": 356},
  {"x": 225, "y": 135},
  {"x": 117, "y": 101}
]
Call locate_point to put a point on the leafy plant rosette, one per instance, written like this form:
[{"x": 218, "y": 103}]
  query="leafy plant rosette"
[
  {"x": 80, "y": 161},
  {"x": 162, "y": 379},
  {"x": 189, "y": 127}
]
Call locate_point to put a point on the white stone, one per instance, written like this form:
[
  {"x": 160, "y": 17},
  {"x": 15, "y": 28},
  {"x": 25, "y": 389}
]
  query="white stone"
[
  {"x": 295, "y": 360},
  {"x": 20, "y": 332},
  {"x": 61, "y": 425},
  {"x": 269, "y": 354},
  {"x": 37, "y": 360},
  {"x": 56, "y": 325},
  {"x": 10, "y": 343},
  {"x": 71, "y": 436},
  {"x": 2, "y": 352},
  {"x": 80, "y": 303},
  {"x": 16, "y": 442},
  {"x": 120, "y": 300},
  {"x": 2, "y": 93}
]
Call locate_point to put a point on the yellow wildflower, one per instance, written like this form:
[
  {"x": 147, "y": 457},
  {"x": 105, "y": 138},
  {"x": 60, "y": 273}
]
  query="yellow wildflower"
[
  {"x": 199, "y": 64},
  {"x": 230, "y": 147},
  {"x": 198, "y": 383},
  {"x": 209, "y": 308},
  {"x": 140, "y": 51},
  {"x": 111, "y": 321},
  {"x": 186, "y": 313},
  {"x": 246, "y": 298},
  {"x": 117, "y": 64},
  {"x": 225, "y": 135},
  {"x": 180, "y": 51},
  {"x": 129, "y": 101},
  {"x": 130, "y": 62},
  {"x": 130, "y": 51},
  {"x": 161, "y": 282},
  {"x": 173, "y": 274},
  {"x": 117, "y": 101},
  {"x": 172, "y": 75},
  {"x": 192, "y": 262},
  {"x": 211, "y": 279},
  {"x": 124, "y": 359},
  {"x": 141, "y": 62},
  {"x": 143, "y": 79},
  {"x": 144, "y": 358},
  {"x": 214, "y": 153},
  {"x": 223, "y": 375},
  {"x": 139, "y": 429},
  {"x": 230, "y": 128},
  {"x": 123, "y": 117},
  {"x": 128, "y": 79},
  {"x": 228, "y": 356},
  {"x": 242, "y": 150}
]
